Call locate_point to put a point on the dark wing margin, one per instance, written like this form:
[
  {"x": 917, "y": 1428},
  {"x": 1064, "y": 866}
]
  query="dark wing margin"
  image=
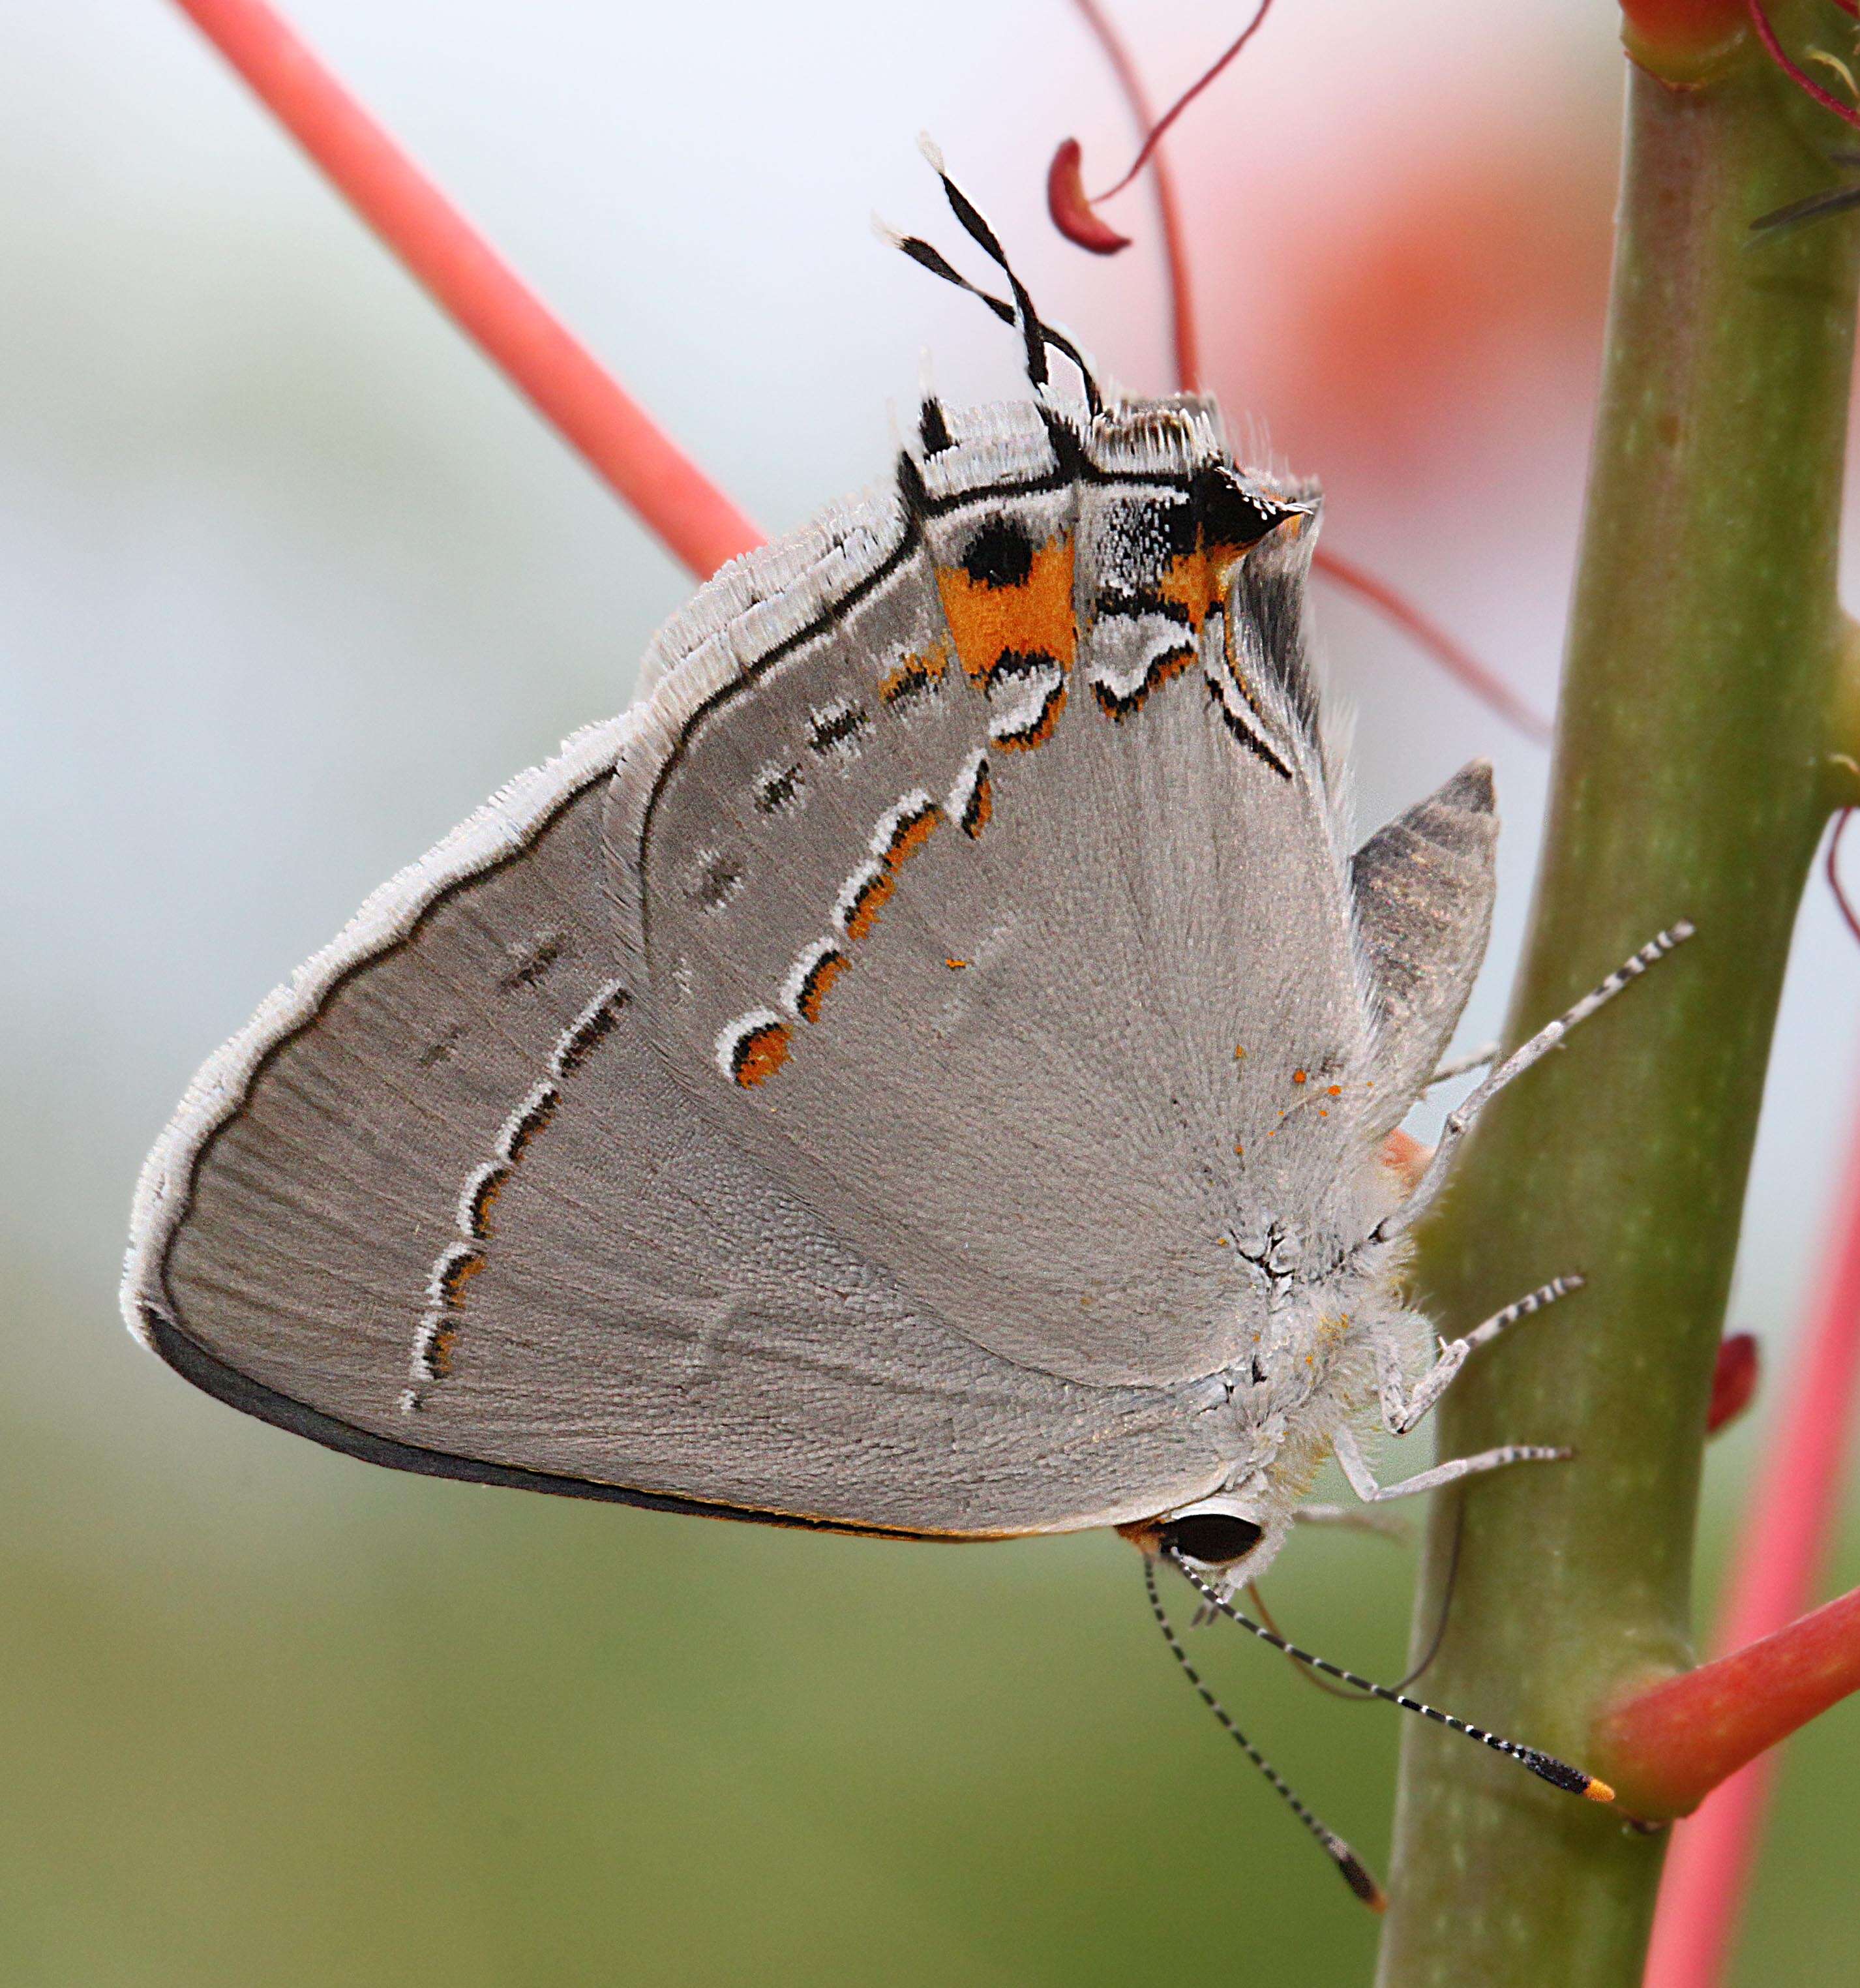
[
  {"x": 1423, "y": 889},
  {"x": 227, "y": 1384}
]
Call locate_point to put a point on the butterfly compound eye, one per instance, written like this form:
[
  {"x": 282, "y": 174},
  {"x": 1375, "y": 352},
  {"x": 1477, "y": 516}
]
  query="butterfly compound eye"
[{"x": 1215, "y": 1539}]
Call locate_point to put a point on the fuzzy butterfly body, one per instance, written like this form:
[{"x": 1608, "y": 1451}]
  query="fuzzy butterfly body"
[{"x": 922, "y": 1068}]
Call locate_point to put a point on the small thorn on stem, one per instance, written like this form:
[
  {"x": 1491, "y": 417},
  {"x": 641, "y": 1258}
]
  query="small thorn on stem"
[{"x": 1733, "y": 1380}]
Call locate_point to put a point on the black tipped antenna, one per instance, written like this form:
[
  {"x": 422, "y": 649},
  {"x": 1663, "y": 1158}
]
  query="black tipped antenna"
[
  {"x": 1546, "y": 1767},
  {"x": 927, "y": 256},
  {"x": 1350, "y": 1868},
  {"x": 1038, "y": 334},
  {"x": 984, "y": 238}
]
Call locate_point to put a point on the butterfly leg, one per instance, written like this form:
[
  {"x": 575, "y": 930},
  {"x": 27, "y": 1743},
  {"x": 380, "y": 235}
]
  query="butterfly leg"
[
  {"x": 1459, "y": 1121},
  {"x": 1403, "y": 1406},
  {"x": 1355, "y": 1467}
]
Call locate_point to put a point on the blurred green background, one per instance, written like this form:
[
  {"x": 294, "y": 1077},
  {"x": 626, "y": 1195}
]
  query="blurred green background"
[{"x": 288, "y": 582}]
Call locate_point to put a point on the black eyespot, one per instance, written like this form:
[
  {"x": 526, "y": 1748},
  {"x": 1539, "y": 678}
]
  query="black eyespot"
[
  {"x": 1000, "y": 554},
  {"x": 1215, "y": 1539}
]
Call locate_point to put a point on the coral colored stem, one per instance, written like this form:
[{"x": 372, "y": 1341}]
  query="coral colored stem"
[
  {"x": 477, "y": 289},
  {"x": 1792, "y": 1517},
  {"x": 1670, "y": 1745}
]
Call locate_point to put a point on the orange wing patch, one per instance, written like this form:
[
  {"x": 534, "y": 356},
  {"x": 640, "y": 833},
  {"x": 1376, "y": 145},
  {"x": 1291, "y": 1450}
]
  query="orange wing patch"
[
  {"x": 1197, "y": 582},
  {"x": 905, "y": 829},
  {"x": 863, "y": 897},
  {"x": 1035, "y": 731},
  {"x": 761, "y": 1054},
  {"x": 914, "y": 677},
  {"x": 827, "y": 970},
  {"x": 987, "y": 619}
]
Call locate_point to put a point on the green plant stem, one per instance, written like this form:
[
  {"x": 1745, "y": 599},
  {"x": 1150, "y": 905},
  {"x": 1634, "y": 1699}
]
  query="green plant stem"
[{"x": 1700, "y": 692}]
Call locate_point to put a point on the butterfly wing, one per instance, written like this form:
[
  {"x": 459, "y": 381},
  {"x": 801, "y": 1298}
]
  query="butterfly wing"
[
  {"x": 1046, "y": 1000},
  {"x": 1423, "y": 888},
  {"x": 445, "y": 1203}
]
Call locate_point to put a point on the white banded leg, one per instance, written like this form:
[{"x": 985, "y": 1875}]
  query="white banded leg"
[
  {"x": 1461, "y": 1118},
  {"x": 1355, "y": 1467},
  {"x": 1402, "y": 1406}
]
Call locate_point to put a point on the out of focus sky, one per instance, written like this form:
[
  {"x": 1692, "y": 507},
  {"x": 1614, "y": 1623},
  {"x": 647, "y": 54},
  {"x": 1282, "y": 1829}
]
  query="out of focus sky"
[{"x": 289, "y": 580}]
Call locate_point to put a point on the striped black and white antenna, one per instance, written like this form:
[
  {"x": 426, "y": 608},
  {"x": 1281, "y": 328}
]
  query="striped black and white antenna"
[{"x": 1037, "y": 336}]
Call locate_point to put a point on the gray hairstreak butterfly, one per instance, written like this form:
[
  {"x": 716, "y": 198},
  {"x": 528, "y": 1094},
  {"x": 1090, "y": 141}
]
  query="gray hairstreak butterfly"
[{"x": 924, "y": 1069}]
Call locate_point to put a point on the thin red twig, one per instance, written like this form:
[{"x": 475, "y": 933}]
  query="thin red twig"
[
  {"x": 477, "y": 289},
  {"x": 1187, "y": 97},
  {"x": 1168, "y": 211},
  {"x": 1792, "y": 1514},
  {"x": 1841, "y": 900},
  {"x": 1799, "y": 76},
  {"x": 1458, "y": 662}
]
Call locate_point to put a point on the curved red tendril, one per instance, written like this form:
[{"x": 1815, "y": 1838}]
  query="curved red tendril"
[
  {"x": 1799, "y": 76},
  {"x": 1065, "y": 195},
  {"x": 1067, "y": 204},
  {"x": 1188, "y": 96},
  {"x": 1833, "y": 873},
  {"x": 1169, "y": 214}
]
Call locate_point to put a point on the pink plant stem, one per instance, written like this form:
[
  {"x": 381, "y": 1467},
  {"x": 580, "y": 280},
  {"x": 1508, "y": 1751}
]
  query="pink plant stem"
[
  {"x": 477, "y": 289},
  {"x": 1796, "y": 75},
  {"x": 1169, "y": 211},
  {"x": 1792, "y": 1513}
]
